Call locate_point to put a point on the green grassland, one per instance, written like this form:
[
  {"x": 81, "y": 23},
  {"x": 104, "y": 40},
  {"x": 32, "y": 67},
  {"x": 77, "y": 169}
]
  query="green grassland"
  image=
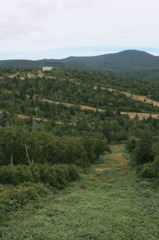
[{"x": 109, "y": 202}]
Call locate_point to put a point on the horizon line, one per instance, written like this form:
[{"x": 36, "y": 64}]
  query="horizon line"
[{"x": 84, "y": 52}]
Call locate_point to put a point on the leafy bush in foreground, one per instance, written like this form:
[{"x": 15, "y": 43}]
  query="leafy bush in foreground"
[
  {"x": 15, "y": 197},
  {"x": 150, "y": 170},
  {"x": 30, "y": 182},
  {"x": 56, "y": 176}
]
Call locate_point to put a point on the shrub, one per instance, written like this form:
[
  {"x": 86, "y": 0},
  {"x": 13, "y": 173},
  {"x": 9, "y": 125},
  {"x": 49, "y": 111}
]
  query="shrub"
[
  {"x": 130, "y": 144},
  {"x": 150, "y": 170},
  {"x": 15, "y": 197},
  {"x": 155, "y": 165},
  {"x": 147, "y": 171},
  {"x": 57, "y": 175},
  {"x": 143, "y": 150}
]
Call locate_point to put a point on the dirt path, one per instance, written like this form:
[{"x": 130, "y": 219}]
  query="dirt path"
[
  {"x": 128, "y": 94},
  {"x": 115, "y": 160},
  {"x": 140, "y": 115},
  {"x": 83, "y": 107},
  {"x": 134, "y": 96},
  {"x": 22, "y": 116}
]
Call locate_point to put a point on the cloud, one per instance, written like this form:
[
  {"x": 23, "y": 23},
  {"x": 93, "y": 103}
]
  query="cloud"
[{"x": 48, "y": 24}]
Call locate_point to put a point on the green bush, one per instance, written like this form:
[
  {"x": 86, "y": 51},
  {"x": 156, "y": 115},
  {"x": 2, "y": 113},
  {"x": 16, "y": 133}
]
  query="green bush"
[
  {"x": 15, "y": 197},
  {"x": 143, "y": 150},
  {"x": 48, "y": 175},
  {"x": 15, "y": 174},
  {"x": 147, "y": 171},
  {"x": 73, "y": 172},
  {"x": 24, "y": 183},
  {"x": 156, "y": 165},
  {"x": 150, "y": 170},
  {"x": 130, "y": 144},
  {"x": 57, "y": 175}
]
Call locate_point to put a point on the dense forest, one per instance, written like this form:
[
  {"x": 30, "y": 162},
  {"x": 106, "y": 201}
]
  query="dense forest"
[
  {"x": 55, "y": 125},
  {"x": 72, "y": 103}
]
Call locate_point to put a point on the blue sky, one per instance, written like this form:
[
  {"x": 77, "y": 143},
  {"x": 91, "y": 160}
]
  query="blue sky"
[{"x": 34, "y": 29}]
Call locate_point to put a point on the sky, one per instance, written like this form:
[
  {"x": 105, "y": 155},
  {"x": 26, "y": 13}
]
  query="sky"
[{"x": 35, "y": 29}]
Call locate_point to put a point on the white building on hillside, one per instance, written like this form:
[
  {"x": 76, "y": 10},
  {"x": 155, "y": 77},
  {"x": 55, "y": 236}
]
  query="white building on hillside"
[{"x": 46, "y": 69}]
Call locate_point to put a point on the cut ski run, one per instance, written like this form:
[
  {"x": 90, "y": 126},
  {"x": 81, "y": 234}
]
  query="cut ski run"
[{"x": 107, "y": 203}]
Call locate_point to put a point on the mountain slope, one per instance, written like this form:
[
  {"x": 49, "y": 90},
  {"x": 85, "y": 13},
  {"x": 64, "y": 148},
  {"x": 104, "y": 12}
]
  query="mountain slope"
[
  {"x": 126, "y": 60},
  {"x": 21, "y": 63}
]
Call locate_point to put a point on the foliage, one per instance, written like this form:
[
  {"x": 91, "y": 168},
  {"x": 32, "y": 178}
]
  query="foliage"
[
  {"x": 34, "y": 96},
  {"x": 53, "y": 128},
  {"x": 110, "y": 204},
  {"x": 13, "y": 198},
  {"x": 52, "y": 124},
  {"x": 23, "y": 184},
  {"x": 57, "y": 176},
  {"x": 150, "y": 170},
  {"x": 145, "y": 155},
  {"x": 18, "y": 146},
  {"x": 131, "y": 144}
]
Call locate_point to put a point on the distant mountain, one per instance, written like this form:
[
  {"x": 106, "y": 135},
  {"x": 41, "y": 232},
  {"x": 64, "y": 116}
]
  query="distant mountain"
[
  {"x": 20, "y": 63},
  {"x": 127, "y": 60}
]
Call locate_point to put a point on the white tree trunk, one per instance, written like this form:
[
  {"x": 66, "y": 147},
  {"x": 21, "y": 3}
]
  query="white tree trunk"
[
  {"x": 11, "y": 159},
  {"x": 27, "y": 155}
]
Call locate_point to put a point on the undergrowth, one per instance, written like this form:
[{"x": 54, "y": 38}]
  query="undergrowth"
[{"x": 107, "y": 203}]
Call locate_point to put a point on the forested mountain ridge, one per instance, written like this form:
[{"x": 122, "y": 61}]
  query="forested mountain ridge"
[
  {"x": 21, "y": 63},
  {"x": 125, "y": 60}
]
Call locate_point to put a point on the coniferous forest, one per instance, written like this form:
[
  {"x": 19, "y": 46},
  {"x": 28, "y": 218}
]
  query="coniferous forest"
[{"x": 68, "y": 136}]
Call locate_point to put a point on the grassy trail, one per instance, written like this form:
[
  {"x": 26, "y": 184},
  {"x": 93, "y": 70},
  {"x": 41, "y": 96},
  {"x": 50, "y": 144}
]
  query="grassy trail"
[{"x": 107, "y": 204}]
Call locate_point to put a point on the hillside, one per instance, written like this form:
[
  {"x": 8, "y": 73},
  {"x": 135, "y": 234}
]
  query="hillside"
[
  {"x": 21, "y": 63},
  {"x": 65, "y": 140},
  {"x": 125, "y": 60},
  {"x": 75, "y": 103},
  {"x": 129, "y": 63}
]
